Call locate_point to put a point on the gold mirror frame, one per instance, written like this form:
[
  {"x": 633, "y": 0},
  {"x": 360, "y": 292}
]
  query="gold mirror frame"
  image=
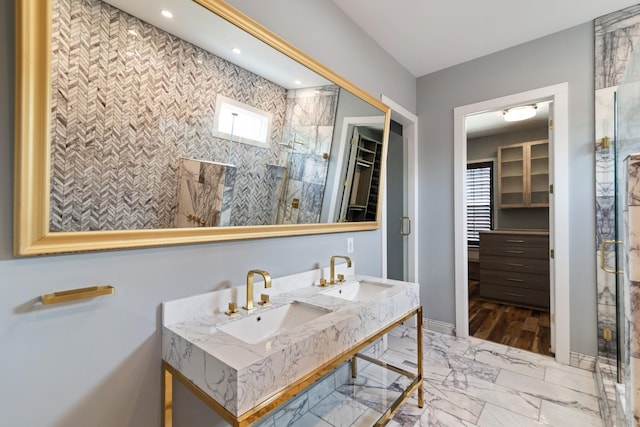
[{"x": 32, "y": 149}]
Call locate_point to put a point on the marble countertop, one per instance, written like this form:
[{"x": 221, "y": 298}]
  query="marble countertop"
[{"x": 239, "y": 375}]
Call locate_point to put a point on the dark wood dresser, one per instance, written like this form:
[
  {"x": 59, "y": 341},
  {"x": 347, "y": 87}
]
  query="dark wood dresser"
[{"x": 514, "y": 267}]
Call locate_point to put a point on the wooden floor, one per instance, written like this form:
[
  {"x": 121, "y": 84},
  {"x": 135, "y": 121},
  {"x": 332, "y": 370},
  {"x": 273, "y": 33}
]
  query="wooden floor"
[{"x": 523, "y": 328}]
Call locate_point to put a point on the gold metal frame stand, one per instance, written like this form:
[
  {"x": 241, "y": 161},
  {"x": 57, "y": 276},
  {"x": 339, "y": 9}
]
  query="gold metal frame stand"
[{"x": 275, "y": 400}]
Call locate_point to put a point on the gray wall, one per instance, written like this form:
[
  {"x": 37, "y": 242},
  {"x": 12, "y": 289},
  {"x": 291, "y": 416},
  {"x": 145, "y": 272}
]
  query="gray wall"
[
  {"x": 97, "y": 363},
  {"x": 566, "y": 56},
  {"x": 486, "y": 147}
]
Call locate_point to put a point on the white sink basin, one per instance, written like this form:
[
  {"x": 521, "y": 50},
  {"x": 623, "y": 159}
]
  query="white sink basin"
[
  {"x": 265, "y": 324},
  {"x": 358, "y": 291}
]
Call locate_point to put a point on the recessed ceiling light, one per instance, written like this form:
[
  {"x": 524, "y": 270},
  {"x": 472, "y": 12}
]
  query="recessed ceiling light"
[
  {"x": 236, "y": 50},
  {"x": 166, "y": 13},
  {"x": 298, "y": 82}
]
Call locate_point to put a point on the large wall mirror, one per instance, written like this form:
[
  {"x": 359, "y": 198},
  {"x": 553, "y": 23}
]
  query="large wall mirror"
[{"x": 138, "y": 126}]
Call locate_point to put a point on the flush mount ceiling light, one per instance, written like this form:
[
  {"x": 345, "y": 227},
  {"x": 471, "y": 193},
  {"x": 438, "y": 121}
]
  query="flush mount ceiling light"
[
  {"x": 236, "y": 50},
  {"x": 297, "y": 82},
  {"x": 522, "y": 112},
  {"x": 166, "y": 13}
]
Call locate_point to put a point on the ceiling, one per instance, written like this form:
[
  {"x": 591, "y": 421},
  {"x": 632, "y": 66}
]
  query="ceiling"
[
  {"x": 427, "y": 36},
  {"x": 404, "y": 31},
  {"x": 193, "y": 23}
]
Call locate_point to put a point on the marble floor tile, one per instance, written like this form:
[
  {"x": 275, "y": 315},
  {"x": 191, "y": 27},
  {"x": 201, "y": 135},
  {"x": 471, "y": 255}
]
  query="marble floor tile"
[
  {"x": 453, "y": 401},
  {"x": 434, "y": 373},
  {"x": 575, "y": 381},
  {"x": 370, "y": 417},
  {"x": 401, "y": 359},
  {"x": 495, "y": 416},
  {"x": 310, "y": 420},
  {"x": 338, "y": 411},
  {"x": 292, "y": 411},
  {"x": 467, "y": 383},
  {"x": 435, "y": 417},
  {"x": 467, "y": 366},
  {"x": 380, "y": 375},
  {"x": 505, "y": 396},
  {"x": 561, "y": 415},
  {"x": 507, "y": 361},
  {"x": 549, "y": 392},
  {"x": 487, "y": 345},
  {"x": 533, "y": 357},
  {"x": 447, "y": 343},
  {"x": 320, "y": 390},
  {"x": 369, "y": 393}
]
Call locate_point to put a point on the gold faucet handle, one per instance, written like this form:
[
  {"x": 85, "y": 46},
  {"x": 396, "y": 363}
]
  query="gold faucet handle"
[
  {"x": 233, "y": 310},
  {"x": 264, "y": 300},
  {"x": 323, "y": 283},
  {"x": 340, "y": 278}
]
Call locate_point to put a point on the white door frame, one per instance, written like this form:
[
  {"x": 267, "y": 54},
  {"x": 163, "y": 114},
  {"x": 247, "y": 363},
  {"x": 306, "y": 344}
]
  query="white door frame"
[
  {"x": 410, "y": 131},
  {"x": 559, "y": 213}
]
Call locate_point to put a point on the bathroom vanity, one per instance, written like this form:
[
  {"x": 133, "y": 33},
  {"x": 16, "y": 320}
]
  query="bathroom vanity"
[{"x": 245, "y": 366}]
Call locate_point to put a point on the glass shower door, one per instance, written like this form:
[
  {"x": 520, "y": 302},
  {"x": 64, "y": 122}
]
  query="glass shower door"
[
  {"x": 618, "y": 243},
  {"x": 627, "y": 142}
]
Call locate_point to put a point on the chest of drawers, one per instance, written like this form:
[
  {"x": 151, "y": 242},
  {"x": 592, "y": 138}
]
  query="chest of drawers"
[{"x": 514, "y": 267}]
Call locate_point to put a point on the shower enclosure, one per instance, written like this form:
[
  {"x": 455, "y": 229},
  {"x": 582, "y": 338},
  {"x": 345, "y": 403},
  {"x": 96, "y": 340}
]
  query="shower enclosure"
[{"x": 617, "y": 254}]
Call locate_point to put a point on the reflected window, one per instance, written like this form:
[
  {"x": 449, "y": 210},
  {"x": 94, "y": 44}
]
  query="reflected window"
[
  {"x": 479, "y": 200},
  {"x": 243, "y": 122}
]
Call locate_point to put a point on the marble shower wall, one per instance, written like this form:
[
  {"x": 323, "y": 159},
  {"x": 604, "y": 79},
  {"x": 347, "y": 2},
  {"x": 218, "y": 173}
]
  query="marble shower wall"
[
  {"x": 615, "y": 37},
  {"x": 205, "y": 193},
  {"x": 128, "y": 101},
  {"x": 632, "y": 287},
  {"x": 310, "y": 119}
]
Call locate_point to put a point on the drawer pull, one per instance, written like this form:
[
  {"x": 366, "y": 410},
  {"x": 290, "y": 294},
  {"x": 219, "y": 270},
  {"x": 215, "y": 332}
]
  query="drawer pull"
[
  {"x": 515, "y": 280},
  {"x": 514, "y": 252},
  {"x": 511, "y": 264},
  {"x": 514, "y": 241},
  {"x": 515, "y": 295}
]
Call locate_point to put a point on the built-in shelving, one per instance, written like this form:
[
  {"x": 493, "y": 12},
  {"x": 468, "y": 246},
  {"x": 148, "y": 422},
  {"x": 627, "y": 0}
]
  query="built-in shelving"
[
  {"x": 363, "y": 176},
  {"x": 523, "y": 175}
]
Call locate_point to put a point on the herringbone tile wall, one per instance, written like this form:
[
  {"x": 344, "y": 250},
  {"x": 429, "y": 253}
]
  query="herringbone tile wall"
[{"x": 128, "y": 101}]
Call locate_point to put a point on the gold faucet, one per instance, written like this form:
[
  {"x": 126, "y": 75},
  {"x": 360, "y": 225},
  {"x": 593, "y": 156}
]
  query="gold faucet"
[
  {"x": 267, "y": 284},
  {"x": 332, "y": 270}
]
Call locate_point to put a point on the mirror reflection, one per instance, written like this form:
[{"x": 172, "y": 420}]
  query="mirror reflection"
[{"x": 188, "y": 121}]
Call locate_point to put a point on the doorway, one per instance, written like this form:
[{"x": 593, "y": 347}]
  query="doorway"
[
  {"x": 558, "y": 216},
  {"x": 409, "y": 128},
  {"x": 399, "y": 220},
  {"x": 507, "y": 204}
]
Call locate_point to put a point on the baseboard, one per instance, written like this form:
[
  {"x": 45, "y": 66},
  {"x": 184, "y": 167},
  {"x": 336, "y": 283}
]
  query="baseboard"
[
  {"x": 438, "y": 326},
  {"x": 582, "y": 361}
]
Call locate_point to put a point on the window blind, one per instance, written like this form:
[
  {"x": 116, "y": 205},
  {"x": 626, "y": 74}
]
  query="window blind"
[{"x": 479, "y": 200}]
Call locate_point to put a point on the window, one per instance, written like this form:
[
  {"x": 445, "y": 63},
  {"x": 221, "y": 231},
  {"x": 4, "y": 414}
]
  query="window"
[
  {"x": 249, "y": 125},
  {"x": 479, "y": 200}
]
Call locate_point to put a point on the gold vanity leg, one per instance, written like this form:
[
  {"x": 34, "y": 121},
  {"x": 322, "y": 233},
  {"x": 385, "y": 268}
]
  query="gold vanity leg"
[
  {"x": 421, "y": 385},
  {"x": 354, "y": 367},
  {"x": 167, "y": 397}
]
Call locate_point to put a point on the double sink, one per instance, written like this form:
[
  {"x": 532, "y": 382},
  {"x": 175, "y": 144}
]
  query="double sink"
[
  {"x": 242, "y": 360},
  {"x": 270, "y": 322}
]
